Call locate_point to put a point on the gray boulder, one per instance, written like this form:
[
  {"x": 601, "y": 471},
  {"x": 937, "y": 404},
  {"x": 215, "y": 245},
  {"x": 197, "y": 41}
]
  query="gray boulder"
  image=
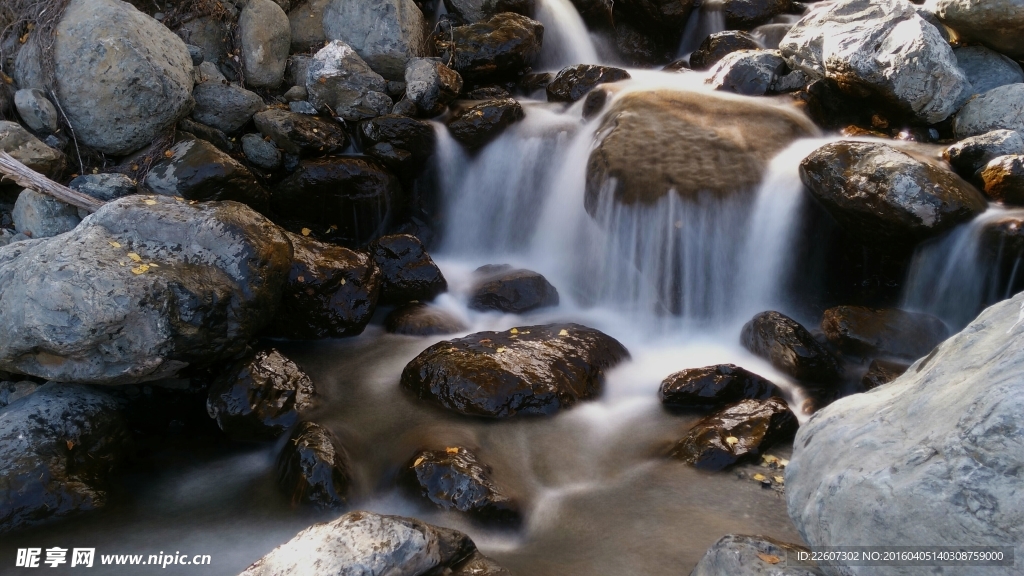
[
  {"x": 750, "y": 72},
  {"x": 208, "y": 72},
  {"x": 932, "y": 458},
  {"x": 211, "y": 33},
  {"x": 266, "y": 37},
  {"x": 36, "y": 111},
  {"x": 144, "y": 287},
  {"x": 260, "y": 152},
  {"x": 58, "y": 447},
  {"x": 307, "y": 22},
  {"x": 970, "y": 155},
  {"x": 431, "y": 85},
  {"x": 385, "y": 33},
  {"x": 986, "y": 69},
  {"x": 737, "y": 555},
  {"x": 340, "y": 82},
  {"x": 882, "y": 47},
  {"x": 118, "y": 104},
  {"x": 37, "y": 215},
  {"x": 194, "y": 169},
  {"x": 29, "y": 150},
  {"x": 1001, "y": 108},
  {"x": 224, "y": 106},
  {"x": 998, "y": 24}
]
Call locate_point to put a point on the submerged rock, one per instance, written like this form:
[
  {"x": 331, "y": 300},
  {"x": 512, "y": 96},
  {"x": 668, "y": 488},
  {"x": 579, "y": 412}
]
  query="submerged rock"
[
  {"x": 500, "y": 48},
  {"x": 970, "y": 155},
  {"x": 790, "y": 348},
  {"x": 533, "y": 370},
  {"x": 58, "y": 447},
  {"x": 719, "y": 45},
  {"x": 713, "y": 386},
  {"x": 302, "y": 134},
  {"x": 739, "y": 432},
  {"x": 882, "y": 372},
  {"x": 407, "y": 271},
  {"x": 196, "y": 170},
  {"x": 574, "y": 82},
  {"x": 738, "y": 555},
  {"x": 1004, "y": 179},
  {"x": 385, "y": 33},
  {"x": 872, "y": 331},
  {"x": 418, "y": 319},
  {"x": 479, "y": 123},
  {"x": 454, "y": 479},
  {"x": 512, "y": 291},
  {"x": 313, "y": 469}
]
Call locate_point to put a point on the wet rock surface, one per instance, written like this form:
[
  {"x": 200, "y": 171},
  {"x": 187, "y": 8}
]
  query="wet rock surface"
[
  {"x": 194, "y": 169},
  {"x": 512, "y": 291},
  {"x": 714, "y": 386},
  {"x": 455, "y": 479},
  {"x": 1004, "y": 179},
  {"x": 418, "y": 319},
  {"x": 986, "y": 69},
  {"x": 472, "y": 11},
  {"x": 58, "y": 448},
  {"x": 260, "y": 397},
  {"x": 746, "y": 14},
  {"x": 415, "y": 137},
  {"x": 742, "y": 431},
  {"x": 502, "y": 47},
  {"x": 575, "y": 82},
  {"x": 533, "y": 370},
  {"x": 479, "y": 123},
  {"x": 300, "y": 133},
  {"x": 719, "y": 45},
  {"x": 313, "y": 469},
  {"x": 105, "y": 187},
  {"x": 890, "y": 332},
  {"x": 407, "y": 271},
  {"x": 970, "y": 155},
  {"x": 790, "y": 348},
  {"x": 431, "y": 85},
  {"x": 749, "y": 72},
  {"x": 739, "y": 555},
  {"x": 882, "y": 372}
]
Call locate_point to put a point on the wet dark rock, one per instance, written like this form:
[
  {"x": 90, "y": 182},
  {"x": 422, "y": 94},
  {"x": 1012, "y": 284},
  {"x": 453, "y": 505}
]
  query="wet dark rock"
[
  {"x": 739, "y": 432},
  {"x": 1004, "y": 179},
  {"x": 637, "y": 47},
  {"x": 314, "y": 468},
  {"x": 431, "y": 85},
  {"x": 658, "y": 14},
  {"x": 575, "y": 82},
  {"x": 418, "y": 319},
  {"x": 533, "y": 370},
  {"x": 154, "y": 285},
  {"x": 208, "y": 133},
  {"x": 713, "y": 386},
  {"x": 58, "y": 447},
  {"x": 790, "y": 348},
  {"x": 513, "y": 291},
  {"x": 414, "y": 136},
  {"x": 970, "y": 155},
  {"x": 487, "y": 93},
  {"x": 407, "y": 271},
  {"x": 342, "y": 199},
  {"x": 738, "y": 555},
  {"x": 472, "y": 11},
  {"x": 879, "y": 194},
  {"x": 196, "y": 170},
  {"x": 260, "y": 397},
  {"x": 746, "y": 14},
  {"x": 748, "y": 72},
  {"x": 480, "y": 123},
  {"x": 454, "y": 479},
  {"x": 598, "y": 14},
  {"x": 261, "y": 152},
  {"x": 505, "y": 46},
  {"x": 889, "y": 332},
  {"x": 331, "y": 292},
  {"x": 105, "y": 187},
  {"x": 301, "y": 134},
  {"x": 882, "y": 372},
  {"x": 531, "y": 83},
  {"x": 225, "y": 106},
  {"x": 719, "y": 45}
]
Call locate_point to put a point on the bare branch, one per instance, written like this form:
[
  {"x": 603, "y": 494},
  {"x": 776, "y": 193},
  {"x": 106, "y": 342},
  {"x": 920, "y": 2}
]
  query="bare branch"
[{"x": 29, "y": 178}]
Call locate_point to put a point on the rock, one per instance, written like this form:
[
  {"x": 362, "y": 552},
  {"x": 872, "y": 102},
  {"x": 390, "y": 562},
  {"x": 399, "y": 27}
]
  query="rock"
[
  {"x": 58, "y": 447},
  {"x": 638, "y": 48},
  {"x": 36, "y": 111},
  {"x": 513, "y": 292},
  {"x": 265, "y": 36},
  {"x": 986, "y": 69},
  {"x": 303, "y": 107},
  {"x": 692, "y": 143},
  {"x": 771, "y": 35},
  {"x": 300, "y": 134},
  {"x": 714, "y": 386},
  {"x": 366, "y": 543},
  {"x": 260, "y": 397},
  {"x": 306, "y": 20},
  {"x": 313, "y": 468},
  {"x": 746, "y": 14},
  {"x": 501, "y": 48},
  {"x": 260, "y": 152},
  {"x": 1004, "y": 179},
  {"x": 748, "y": 72},
  {"x": 740, "y": 432},
  {"x": 575, "y": 82},
  {"x": 342, "y": 199},
  {"x": 431, "y": 85},
  {"x": 479, "y": 565},
  {"x": 196, "y": 170},
  {"x": 454, "y": 479},
  {"x": 998, "y": 24},
  {"x": 940, "y": 444},
  {"x": 38, "y": 215},
  {"x": 341, "y": 83},
  {"x": 417, "y": 319},
  {"x": 29, "y": 150},
  {"x": 196, "y": 53},
  {"x": 413, "y": 136},
  {"x": 122, "y": 77},
  {"x": 385, "y": 33},
  {"x": 297, "y": 70},
  {"x": 790, "y": 348},
  {"x": 407, "y": 271},
  {"x": 882, "y": 372},
  {"x": 887, "y": 332},
  {"x": 208, "y": 133},
  {"x": 211, "y": 33},
  {"x": 998, "y": 109},
  {"x": 970, "y": 155},
  {"x": 478, "y": 124},
  {"x": 738, "y": 555},
  {"x": 882, "y": 48},
  {"x": 879, "y": 194},
  {"x": 719, "y": 45},
  {"x": 105, "y": 187},
  {"x": 532, "y": 370},
  {"x": 226, "y": 107},
  {"x": 658, "y": 14},
  {"x": 597, "y": 14},
  {"x": 79, "y": 307},
  {"x": 296, "y": 94},
  {"x": 473, "y": 11},
  {"x": 13, "y": 391}
]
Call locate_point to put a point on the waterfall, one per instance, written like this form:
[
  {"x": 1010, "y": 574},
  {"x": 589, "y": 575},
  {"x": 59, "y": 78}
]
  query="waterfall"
[
  {"x": 706, "y": 19},
  {"x": 566, "y": 39}
]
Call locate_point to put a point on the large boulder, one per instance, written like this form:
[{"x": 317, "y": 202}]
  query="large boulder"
[
  {"x": 385, "y": 33},
  {"x": 58, "y": 447},
  {"x": 971, "y": 154},
  {"x": 713, "y": 386},
  {"x": 882, "y": 48},
  {"x": 455, "y": 479},
  {"x": 407, "y": 272},
  {"x": 887, "y": 332},
  {"x": 196, "y": 170},
  {"x": 122, "y": 77},
  {"x": 224, "y": 106},
  {"x": 998, "y": 24},
  {"x": 306, "y": 19},
  {"x": 790, "y": 348},
  {"x": 986, "y": 69},
  {"x": 1001, "y": 108},
  {"x": 340, "y": 83},
  {"x": 514, "y": 291},
  {"x": 331, "y": 292},
  {"x": 932, "y": 458},
  {"x": 689, "y": 142},
  {"x": 742, "y": 431},
  {"x": 301, "y": 134},
  {"x": 879, "y": 194},
  {"x": 737, "y": 555},
  {"x": 500, "y": 48},
  {"x": 29, "y": 150},
  {"x": 143, "y": 288},
  {"x": 265, "y": 36},
  {"x": 533, "y": 370},
  {"x": 314, "y": 469}
]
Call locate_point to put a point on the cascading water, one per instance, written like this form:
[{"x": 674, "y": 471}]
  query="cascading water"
[
  {"x": 707, "y": 18},
  {"x": 566, "y": 38}
]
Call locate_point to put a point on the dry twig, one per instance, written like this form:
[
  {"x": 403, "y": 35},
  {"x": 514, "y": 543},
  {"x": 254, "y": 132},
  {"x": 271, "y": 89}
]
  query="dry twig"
[{"x": 29, "y": 178}]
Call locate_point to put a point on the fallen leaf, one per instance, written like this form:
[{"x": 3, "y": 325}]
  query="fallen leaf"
[
  {"x": 114, "y": 244},
  {"x": 418, "y": 461},
  {"x": 760, "y": 477},
  {"x": 454, "y": 450},
  {"x": 152, "y": 265},
  {"x": 769, "y": 558},
  {"x": 779, "y": 480},
  {"x": 169, "y": 153},
  {"x": 501, "y": 349},
  {"x": 306, "y": 231},
  {"x": 70, "y": 444},
  {"x": 342, "y": 281},
  {"x": 514, "y": 331},
  {"x": 732, "y": 440},
  {"x": 783, "y": 462},
  {"x": 135, "y": 257},
  {"x": 150, "y": 202},
  {"x": 564, "y": 332},
  {"x": 140, "y": 269}
]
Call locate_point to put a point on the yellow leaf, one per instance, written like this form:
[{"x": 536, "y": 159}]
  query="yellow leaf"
[
  {"x": 153, "y": 265},
  {"x": 150, "y": 202},
  {"x": 779, "y": 479},
  {"x": 501, "y": 349},
  {"x": 564, "y": 332},
  {"x": 514, "y": 331},
  {"x": 306, "y": 231},
  {"x": 452, "y": 450},
  {"x": 342, "y": 281},
  {"x": 760, "y": 477},
  {"x": 783, "y": 462},
  {"x": 140, "y": 269},
  {"x": 114, "y": 244},
  {"x": 769, "y": 558},
  {"x": 169, "y": 153},
  {"x": 732, "y": 440},
  {"x": 418, "y": 461},
  {"x": 135, "y": 257},
  {"x": 768, "y": 458}
]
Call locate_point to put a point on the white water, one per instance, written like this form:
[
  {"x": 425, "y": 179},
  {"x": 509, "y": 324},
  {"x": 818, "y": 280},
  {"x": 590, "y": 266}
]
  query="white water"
[
  {"x": 566, "y": 38},
  {"x": 707, "y": 19}
]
